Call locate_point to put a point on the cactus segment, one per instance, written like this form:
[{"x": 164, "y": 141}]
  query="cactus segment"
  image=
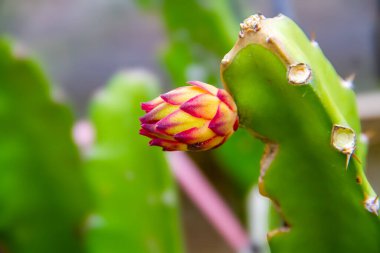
[
  {"x": 136, "y": 207},
  {"x": 43, "y": 198},
  {"x": 290, "y": 97},
  {"x": 196, "y": 41}
]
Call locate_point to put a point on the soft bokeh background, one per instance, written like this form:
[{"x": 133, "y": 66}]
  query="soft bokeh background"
[{"x": 81, "y": 43}]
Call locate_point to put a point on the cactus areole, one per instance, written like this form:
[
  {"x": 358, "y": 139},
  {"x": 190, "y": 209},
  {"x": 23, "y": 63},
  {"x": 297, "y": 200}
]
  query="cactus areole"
[{"x": 191, "y": 118}]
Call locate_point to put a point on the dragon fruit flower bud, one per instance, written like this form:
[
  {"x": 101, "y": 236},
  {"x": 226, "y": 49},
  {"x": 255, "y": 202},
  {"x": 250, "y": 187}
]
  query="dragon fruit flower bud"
[{"x": 191, "y": 118}]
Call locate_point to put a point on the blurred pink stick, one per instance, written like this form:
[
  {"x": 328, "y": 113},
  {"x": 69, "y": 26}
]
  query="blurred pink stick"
[
  {"x": 83, "y": 134},
  {"x": 208, "y": 201}
]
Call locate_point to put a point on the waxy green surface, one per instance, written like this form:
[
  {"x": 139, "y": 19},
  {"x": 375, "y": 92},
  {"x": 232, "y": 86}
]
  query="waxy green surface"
[{"x": 319, "y": 200}]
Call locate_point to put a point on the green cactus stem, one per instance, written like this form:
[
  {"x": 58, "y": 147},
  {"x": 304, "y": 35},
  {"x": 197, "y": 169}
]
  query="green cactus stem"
[
  {"x": 289, "y": 96},
  {"x": 135, "y": 198},
  {"x": 42, "y": 195},
  {"x": 196, "y": 42}
]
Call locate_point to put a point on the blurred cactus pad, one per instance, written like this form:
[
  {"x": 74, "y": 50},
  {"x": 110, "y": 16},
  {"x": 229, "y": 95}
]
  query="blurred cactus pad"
[
  {"x": 135, "y": 198},
  {"x": 289, "y": 96},
  {"x": 120, "y": 198},
  {"x": 42, "y": 189}
]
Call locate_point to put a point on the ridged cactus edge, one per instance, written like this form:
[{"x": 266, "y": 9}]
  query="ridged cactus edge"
[{"x": 290, "y": 96}]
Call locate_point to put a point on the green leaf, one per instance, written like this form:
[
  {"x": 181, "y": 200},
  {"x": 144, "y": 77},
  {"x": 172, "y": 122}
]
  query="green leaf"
[{"x": 136, "y": 206}]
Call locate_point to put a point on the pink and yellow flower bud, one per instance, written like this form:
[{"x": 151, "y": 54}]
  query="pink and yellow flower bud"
[{"x": 196, "y": 118}]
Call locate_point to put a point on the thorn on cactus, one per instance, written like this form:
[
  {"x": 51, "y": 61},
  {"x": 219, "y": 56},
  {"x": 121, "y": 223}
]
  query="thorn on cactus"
[
  {"x": 372, "y": 204},
  {"x": 251, "y": 24},
  {"x": 313, "y": 36},
  {"x": 225, "y": 60},
  {"x": 314, "y": 43},
  {"x": 349, "y": 81},
  {"x": 299, "y": 74},
  {"x": 191, "y": 118},
  {"x": 344, "y": 140}
]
